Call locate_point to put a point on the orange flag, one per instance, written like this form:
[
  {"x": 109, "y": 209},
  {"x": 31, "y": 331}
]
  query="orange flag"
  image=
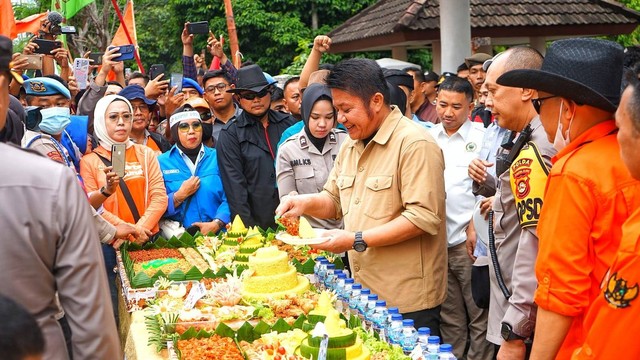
[
  {"x": 7, "y": 20},
  {"x": 30, "y": 23},
  {"x": 120, "y": 37}
]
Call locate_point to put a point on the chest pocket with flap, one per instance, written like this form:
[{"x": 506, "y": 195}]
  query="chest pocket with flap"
[{"x": 378, "y": 202}]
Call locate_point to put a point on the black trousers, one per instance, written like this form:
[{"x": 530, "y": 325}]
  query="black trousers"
[{"x": 426, "y": 318}]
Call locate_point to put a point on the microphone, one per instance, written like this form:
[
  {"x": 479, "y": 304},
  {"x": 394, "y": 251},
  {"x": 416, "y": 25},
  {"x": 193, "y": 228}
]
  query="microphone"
[{"x": 54, "y": 18}]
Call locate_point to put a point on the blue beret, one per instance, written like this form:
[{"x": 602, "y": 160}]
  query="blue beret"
[
  {"x": 190, "y": 83},
  {"x": 44, "y": 86},
  {"x": 269, "y": 78}
]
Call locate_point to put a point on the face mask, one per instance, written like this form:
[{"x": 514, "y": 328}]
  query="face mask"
[
  {"x": 560, "y": 142},
  {"x": 207, "y": 131},
  {"x": 55, "y": 120}
]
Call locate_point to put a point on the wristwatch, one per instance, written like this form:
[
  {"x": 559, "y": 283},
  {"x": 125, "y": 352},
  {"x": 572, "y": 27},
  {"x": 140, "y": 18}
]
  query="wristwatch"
[
  {"x": 359, "y": 245},
  {"x": 507, "y": 333},
  {"x": 103, "y": 191},
  {"x": 220, "y": 223}
]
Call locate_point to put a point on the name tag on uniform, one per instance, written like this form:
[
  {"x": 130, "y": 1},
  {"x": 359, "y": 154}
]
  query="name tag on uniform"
[
  {"x": 300, "y": 162},
  {"x": 171, "y": 171}
]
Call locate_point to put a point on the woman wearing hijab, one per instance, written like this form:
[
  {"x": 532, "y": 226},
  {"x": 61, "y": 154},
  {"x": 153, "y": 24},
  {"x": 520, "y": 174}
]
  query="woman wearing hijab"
[
  {"x": 196, "y": 198},
  {"x": 113, "y": 118},
  {"x": 305, "y": 159},
  {"x": 112, "y": 125}
]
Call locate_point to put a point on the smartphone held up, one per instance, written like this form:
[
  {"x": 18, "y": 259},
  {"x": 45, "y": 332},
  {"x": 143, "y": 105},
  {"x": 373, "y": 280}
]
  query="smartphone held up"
[{"x": 118, "y": 159}]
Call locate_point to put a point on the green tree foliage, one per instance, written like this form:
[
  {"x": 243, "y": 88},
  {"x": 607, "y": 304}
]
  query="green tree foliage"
[
  {"x": 632, "y": 39},
  {"x": 269, "y": 31}
]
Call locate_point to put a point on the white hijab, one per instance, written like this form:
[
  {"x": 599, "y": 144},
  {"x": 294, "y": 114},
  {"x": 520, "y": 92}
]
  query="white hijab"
[{"x": 99, "y": 121}]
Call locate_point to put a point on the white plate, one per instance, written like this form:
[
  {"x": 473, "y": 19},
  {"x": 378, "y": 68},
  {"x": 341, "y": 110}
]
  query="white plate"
[{"x": 294, "y": 240}]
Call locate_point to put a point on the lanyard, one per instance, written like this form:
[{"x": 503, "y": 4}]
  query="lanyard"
[{"x": 58, "y": 147}]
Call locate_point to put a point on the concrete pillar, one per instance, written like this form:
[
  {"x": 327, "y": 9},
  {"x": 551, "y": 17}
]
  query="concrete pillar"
[
  {"x": 455, "y": 33},
  {"x": 399, "y": 53},
  {"x": 538, "y": 43},
  {"x": 436, "y": 56}
]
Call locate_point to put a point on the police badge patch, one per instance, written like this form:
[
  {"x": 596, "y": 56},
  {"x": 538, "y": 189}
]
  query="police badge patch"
[
  {"x": 528, "y": 177},
  {"x": 618, "y": 293},
  {"x": 471, "y": 147},
  {"x": 37, "y": 86}
]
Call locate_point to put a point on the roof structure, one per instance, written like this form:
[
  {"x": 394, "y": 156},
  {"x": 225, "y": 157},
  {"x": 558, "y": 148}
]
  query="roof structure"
[{"x": 415, "y": 23}]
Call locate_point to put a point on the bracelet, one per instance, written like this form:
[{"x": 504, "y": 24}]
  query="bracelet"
[{"x": 103, "y": 191}]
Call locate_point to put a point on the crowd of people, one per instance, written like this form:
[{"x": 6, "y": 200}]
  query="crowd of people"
[{"x": 497, "y": 206}]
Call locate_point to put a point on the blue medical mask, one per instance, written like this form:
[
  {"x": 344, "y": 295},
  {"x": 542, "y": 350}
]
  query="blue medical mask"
[{"x": 55, "y": 120}]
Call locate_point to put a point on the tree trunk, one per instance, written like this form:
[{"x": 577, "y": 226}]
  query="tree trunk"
[
  {"x": 314, "y": 16},
  {"x": 233, "y": 35}
]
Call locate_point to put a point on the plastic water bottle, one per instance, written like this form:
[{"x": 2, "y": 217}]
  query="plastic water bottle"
[
  {"x": 369, "y": 308},
  {"x": 319, "y": 260},
  {"x": 321, "y": 272},
  {"x": 394, "y": 329},
  {"x": 362, "y": 302},
  {"x": 446, "y": 352},
  {"x": 379, "y": 319},
  {"x": 433, "y": 348},
  {"x": 346, "y": 289},
  {"x": 409, "y": 337},
  {"x": 335, "y": 281},
  {"x": 331, "y": 272},
  {"x": 337, "y": 287},
  {"x": 345, "y": 295},
  {"x": 423, "y": 338},
  {"x": 354, "y": 298},
  {"x": 390, "y": 312}
]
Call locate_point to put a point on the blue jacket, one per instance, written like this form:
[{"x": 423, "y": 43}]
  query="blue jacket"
[{"x": 206, "y": 204}]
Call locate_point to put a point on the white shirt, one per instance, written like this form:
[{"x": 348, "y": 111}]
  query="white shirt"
[
  {"x": 459, "y": 150},
  {"x": 192, "y": 167}
]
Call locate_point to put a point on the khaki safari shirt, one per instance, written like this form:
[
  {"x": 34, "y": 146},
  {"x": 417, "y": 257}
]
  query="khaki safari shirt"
[{"x": 399, "y": 173}]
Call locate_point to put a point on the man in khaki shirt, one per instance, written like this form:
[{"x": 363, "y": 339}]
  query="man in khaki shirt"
[{"x": 387, "y": 185}]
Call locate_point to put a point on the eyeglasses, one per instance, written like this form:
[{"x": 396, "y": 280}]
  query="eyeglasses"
[
  {"x": 219, "y": 86},
  {"x": 141, "y": 108},
  {"x": 184, "y": 127},
  {"x": 537, "y": 103},
  {"x": 253, "y": 95},
  {"x": 126, "y": 117}
]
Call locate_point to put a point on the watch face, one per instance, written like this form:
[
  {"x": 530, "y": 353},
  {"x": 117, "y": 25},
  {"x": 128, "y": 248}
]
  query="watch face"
[
  {"x": 360, "y": 246},
  {"x": 505, "y": 331}
]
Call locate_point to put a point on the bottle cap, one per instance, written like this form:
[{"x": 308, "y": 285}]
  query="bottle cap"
[
  {"x": 396, "y": 317},
  {"x": 348, "y": 280},
  {"x": 356, "y": 287},
  {"x": 446, "y": 348},
  {"x": 407, "y": 322},
  {"x": 434, "y": 340},
  {"x": 381, "y": 303},
  {"x": 394, "y": 310},
  {"x": 424, "y": 331},
  {"x": 365, "y": 292},
  {"x": 372, "y": 297},
  {"x": 342, "y": 276},
  {"x": 331, "y": 266},
  {"x": 320, "y": 258}
]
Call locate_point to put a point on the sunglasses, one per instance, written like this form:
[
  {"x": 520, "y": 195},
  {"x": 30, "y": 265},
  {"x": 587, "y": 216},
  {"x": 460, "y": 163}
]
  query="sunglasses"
[
  {"x": 253, "y": 95},
  {"x": 205, "y": 116},
  {"x": 537, "y": 103},
  {"x": 184, "y": 127}
]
